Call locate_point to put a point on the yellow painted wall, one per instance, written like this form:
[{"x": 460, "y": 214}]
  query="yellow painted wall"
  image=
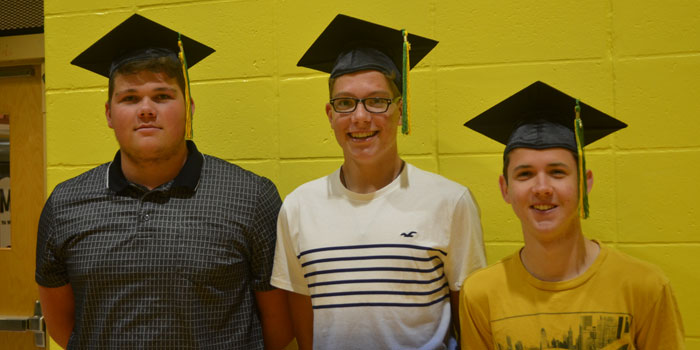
[{"x": 637, "y": 60}]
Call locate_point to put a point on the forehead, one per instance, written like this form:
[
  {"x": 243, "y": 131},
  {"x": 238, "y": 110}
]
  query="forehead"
[
  {"x": 540, "y": 157},
  {"x": 366, "y": 81},
  {"x": 144, "y": 77}
]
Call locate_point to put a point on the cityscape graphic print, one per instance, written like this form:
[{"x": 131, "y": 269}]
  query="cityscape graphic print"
[{"x": 572, "y": 331}]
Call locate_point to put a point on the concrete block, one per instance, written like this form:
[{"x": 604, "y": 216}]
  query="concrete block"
[
  {"x": 236, "y": 120},
  {"x": 241, "y": 32},
  {"x": 655, "y": 27},
  {"x": 477, "y": 33},
  {"x": 480, "y": 174},
  {"x": 76, "y": 129},
  {"x": 657, "y": 97},
  {"x": 658, "y": 196},
  {"x": 303, "y": 125}
]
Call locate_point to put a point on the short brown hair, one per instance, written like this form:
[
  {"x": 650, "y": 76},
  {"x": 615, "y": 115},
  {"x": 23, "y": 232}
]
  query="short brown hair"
[
  {"x": 167, "y": 65},
  {"x": 389, "y": 77}
]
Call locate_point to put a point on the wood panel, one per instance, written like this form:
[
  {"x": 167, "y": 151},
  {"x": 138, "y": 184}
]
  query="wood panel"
[{"x": 22, "y": 98}]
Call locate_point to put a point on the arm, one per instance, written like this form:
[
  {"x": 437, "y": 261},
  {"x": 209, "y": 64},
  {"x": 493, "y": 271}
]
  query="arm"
[
  {"x": 475, "y": 328},
  {"x": 454, "y": 305},
  {"x": 302, "y": 319},
  {"x": 58, "y": 307},
  {"x": 274, "y": 316},
  {"x": 662, "y": 328}
]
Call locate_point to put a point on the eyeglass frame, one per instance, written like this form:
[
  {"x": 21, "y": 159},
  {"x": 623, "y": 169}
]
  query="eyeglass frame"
[{"x": 362, "y": 100}]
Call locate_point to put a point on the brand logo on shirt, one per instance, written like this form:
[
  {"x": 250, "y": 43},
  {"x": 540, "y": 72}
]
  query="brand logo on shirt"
[{"x": 409, "y": 234}]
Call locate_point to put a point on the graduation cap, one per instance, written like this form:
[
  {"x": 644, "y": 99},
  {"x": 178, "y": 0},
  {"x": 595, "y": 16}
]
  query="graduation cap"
[
  {"x": 350, "y": 45},
  {"x": 139, "y": 38},
  {"x": 540, "y": 117}
]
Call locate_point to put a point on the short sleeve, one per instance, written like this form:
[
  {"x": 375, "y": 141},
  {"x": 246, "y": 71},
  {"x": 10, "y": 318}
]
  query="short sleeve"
[
  {"x": 50, "y": 270},
  {"x": 465, "y": 253},
  {"x": 262, "y": 239},
  {"x": 662, "y": 327},
  {"x": 288, "y": 273},
  {"x": 475, "y": 329}
]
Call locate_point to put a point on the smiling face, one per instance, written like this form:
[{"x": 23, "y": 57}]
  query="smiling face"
[
  {"x": 542, "y": 188},
  {"x": 147, "y": 113},
  {"x": 365, "y": 137}
]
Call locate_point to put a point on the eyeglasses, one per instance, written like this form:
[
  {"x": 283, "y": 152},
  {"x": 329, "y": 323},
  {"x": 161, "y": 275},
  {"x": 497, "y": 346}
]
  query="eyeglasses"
[{"x": 372, "y": 104}]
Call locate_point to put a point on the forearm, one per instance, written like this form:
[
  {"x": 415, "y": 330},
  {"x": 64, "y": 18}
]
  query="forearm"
[
  {"x": 302, "y": 319},
  {"x": 58, "y": 308},
  {"x": 274, "y": 316}
]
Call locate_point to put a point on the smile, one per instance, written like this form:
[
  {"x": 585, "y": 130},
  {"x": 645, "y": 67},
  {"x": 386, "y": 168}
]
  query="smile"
[
  {"x": 543, "y": 207},
  {"x": 362, "y": 135}
]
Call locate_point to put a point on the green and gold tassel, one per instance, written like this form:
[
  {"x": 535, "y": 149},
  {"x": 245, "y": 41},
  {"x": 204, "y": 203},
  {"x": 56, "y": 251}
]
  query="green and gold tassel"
[
  {"x": 188, "y": 98},
  {"x": 406, "y": 67},
  {"x": 582, "y": 184}
]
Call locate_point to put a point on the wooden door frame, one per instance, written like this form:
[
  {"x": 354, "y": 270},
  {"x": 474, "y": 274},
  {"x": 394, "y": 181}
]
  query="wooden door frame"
[{"x": 27, "y": 180}]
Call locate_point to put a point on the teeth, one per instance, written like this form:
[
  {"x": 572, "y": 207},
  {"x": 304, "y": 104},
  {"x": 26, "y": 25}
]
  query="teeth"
[
  {"x": 543, "y": 206},
  {"x": 362, "y": 135}
]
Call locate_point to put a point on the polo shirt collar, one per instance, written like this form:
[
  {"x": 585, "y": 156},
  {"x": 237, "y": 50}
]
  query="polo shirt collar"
[{"x": 188, "y": 177}]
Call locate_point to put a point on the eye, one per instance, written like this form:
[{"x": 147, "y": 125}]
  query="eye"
[
  {"x": 375, "y": 102},
  {"x": 343, "y": 104},
  {"x": 161, "y": 97},
  {"x": 523, "y": 174},
  {"x": 128, "y": 99},
  {"x": 558, "y": 172}
]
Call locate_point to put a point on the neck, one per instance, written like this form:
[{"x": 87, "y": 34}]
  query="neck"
[
  {"x": 152, "y": 173},
  {"x": 368, "y": 178},
  {"x": 561, "y": 259}
]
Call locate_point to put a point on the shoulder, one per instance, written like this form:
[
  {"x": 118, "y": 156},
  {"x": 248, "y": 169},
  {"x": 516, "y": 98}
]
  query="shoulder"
[
  {"x": 435, "y": 185},
  {"x": 315, "y": 189},
  {"x": 224, "y": 174},
  {"x": 90, "y": 181},
  {"x": 493, "y": 277},
  {"x": 634, "y": 273}
]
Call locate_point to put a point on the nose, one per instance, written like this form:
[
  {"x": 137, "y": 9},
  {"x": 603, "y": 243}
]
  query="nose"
[
  {"x": 542, "y": 186},
  {"x": 361, "y": 115},
  {"x": 146, "y": 109}
]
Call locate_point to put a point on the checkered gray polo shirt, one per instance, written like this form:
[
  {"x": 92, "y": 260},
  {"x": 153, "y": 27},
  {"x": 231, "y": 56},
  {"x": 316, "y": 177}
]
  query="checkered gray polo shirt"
[{"x": 171, "y": 268}]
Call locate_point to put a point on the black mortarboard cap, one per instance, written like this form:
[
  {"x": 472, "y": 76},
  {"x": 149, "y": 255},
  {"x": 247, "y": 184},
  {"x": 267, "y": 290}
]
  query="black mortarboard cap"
[
  {"x": 137, "y": 38},
  {"x": 540, "y": 116},
  {"x": 350, "y": 45}
]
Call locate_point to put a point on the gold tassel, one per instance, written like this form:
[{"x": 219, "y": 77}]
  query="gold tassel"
[
  {"x": 406, "y": 67},
  {"x": 188, "y": 99},
  {"x": 582, "y": 184}
]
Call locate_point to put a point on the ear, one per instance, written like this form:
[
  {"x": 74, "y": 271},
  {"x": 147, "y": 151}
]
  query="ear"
[
  {"x": 108, "y": 115},
  {"x": 329, "y": 112},
  {"x": 192, "y": 105},
  {"x": 589, "y": 180},
  {"x": 504, "y": 188}
]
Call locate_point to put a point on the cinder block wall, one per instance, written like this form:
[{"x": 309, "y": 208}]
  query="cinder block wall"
[{"x": 637, "y": 60}]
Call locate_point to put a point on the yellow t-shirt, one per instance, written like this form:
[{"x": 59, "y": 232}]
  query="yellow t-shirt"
[{"x": 618, "y": 303}]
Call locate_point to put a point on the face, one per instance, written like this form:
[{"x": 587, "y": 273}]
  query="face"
[
  {"x": 542, "y": 188},
  {"x": 147, "y": 113},
  {"x": 365, "y": 137}
]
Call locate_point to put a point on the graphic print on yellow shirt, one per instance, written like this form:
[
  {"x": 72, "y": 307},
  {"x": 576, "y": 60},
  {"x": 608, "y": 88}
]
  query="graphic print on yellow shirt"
[{"x": 574, "y": 330}]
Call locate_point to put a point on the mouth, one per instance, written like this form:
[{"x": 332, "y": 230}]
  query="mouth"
[
  {"x": 147, "y": 127},
  {"x": 359, "y": 136},
  {"x": 543, "y": 207}
]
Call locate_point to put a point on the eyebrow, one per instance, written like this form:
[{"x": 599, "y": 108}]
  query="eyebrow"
[
  {"x": 343, "y": 94},
  {"x": 550, "y": 165},
  {"x": 164, "y": 88}
]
